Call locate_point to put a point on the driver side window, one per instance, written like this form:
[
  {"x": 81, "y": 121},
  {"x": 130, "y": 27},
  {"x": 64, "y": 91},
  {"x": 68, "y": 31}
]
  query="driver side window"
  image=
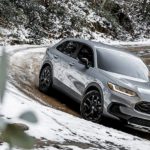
[{"x": 86, "y": 52}]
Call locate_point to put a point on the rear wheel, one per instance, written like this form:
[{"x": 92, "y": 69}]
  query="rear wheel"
[
  {"x": 45, "y": 79},
  {"x": 92, "y": 106}
]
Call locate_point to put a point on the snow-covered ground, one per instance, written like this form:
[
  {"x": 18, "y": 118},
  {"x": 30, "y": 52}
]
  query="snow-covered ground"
[
  {"x": 61, "y": 127},
  {"x": 117, "y": 19},
  {"x": 65, "y": 131}
]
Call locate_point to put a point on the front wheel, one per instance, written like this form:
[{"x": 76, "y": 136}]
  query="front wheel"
[
  {"x": 92, "y": 106},
  {"x": 45, "y": 79}
]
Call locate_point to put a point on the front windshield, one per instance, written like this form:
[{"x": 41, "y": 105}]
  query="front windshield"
[{"x": 122, "y": 63}]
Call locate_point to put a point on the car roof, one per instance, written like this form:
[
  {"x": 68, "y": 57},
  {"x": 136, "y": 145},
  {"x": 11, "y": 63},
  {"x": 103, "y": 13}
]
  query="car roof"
[
  {"x": 101, "y": 46},
  {"x": 95, "y": 44},
  {"x": 91, "y": 43}
]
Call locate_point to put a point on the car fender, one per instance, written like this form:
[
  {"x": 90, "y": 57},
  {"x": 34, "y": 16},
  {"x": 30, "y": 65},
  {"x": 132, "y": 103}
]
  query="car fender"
[{"x": 96, "y": 85}]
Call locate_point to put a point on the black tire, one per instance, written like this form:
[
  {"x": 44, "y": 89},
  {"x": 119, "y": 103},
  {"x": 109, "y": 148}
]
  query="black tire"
[
  {"x": 92, "y": 106},
  {"x": 45, "y": 79}
]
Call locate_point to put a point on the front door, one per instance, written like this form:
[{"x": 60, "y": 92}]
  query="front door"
[{"x": 79, "y": 75}]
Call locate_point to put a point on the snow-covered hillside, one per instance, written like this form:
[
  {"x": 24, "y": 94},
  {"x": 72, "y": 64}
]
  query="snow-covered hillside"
[
  {"x": 39, "y": 22},
  {"x": 65, "y": 130}
]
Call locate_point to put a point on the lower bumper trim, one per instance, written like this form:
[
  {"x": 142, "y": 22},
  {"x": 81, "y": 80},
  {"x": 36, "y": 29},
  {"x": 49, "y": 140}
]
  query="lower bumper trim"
[
  {"x": 114, "y": 109},
  {"x": 139, "y": 121}
]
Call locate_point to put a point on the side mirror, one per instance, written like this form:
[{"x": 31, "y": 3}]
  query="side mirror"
[{"x": 85, "y": 62}]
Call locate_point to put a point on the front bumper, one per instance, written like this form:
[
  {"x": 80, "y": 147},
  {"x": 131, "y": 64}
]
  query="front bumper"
[
  {"x": 131, "y": 117},
  {"x": 125, "y": 108}
]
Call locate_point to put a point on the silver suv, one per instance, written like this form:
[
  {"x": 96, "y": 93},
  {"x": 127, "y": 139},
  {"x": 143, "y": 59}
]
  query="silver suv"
[{"x": 106, "y": 81}]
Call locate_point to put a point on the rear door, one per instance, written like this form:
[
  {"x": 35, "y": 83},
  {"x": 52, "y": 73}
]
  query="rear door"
[{"x": 64, "y": 66}]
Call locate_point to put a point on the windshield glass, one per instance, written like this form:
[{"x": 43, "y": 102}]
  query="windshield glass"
[{"x": 121, "y": 63}]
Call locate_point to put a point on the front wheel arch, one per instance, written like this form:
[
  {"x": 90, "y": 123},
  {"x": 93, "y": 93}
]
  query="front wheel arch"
[{"x": 93, "y": 86}]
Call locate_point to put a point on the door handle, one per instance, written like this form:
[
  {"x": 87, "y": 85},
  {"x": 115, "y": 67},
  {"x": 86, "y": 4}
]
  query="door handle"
[
  {"x": 55, "y": 56},
  {"x": 71, "y": 64}
]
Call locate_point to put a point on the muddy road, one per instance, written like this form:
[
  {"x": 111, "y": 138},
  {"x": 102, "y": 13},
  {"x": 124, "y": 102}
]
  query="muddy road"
[{"x": 23, "y": 73}]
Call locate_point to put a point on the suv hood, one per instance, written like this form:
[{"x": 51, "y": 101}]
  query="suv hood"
[{"x": 140, "y": 86}]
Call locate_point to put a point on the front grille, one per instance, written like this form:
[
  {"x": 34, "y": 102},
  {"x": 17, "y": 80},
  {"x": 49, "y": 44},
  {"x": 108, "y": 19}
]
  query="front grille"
[
  {"x": 139, "y": 121},
  {"x": 143, "y": 107}
]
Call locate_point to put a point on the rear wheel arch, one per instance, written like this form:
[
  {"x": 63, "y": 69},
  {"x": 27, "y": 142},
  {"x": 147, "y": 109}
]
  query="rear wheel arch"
[{"x": 45, "y": 65}]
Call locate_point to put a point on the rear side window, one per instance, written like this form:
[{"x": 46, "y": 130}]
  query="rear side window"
[{"x": 68, "y": 48}]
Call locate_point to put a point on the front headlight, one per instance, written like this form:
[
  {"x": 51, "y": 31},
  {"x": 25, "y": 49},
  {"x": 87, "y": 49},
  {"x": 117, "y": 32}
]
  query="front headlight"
[{"x": 121, "y": 90}]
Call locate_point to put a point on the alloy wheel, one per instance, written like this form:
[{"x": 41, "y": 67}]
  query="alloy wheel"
[{"x": 91, "y": 107}]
